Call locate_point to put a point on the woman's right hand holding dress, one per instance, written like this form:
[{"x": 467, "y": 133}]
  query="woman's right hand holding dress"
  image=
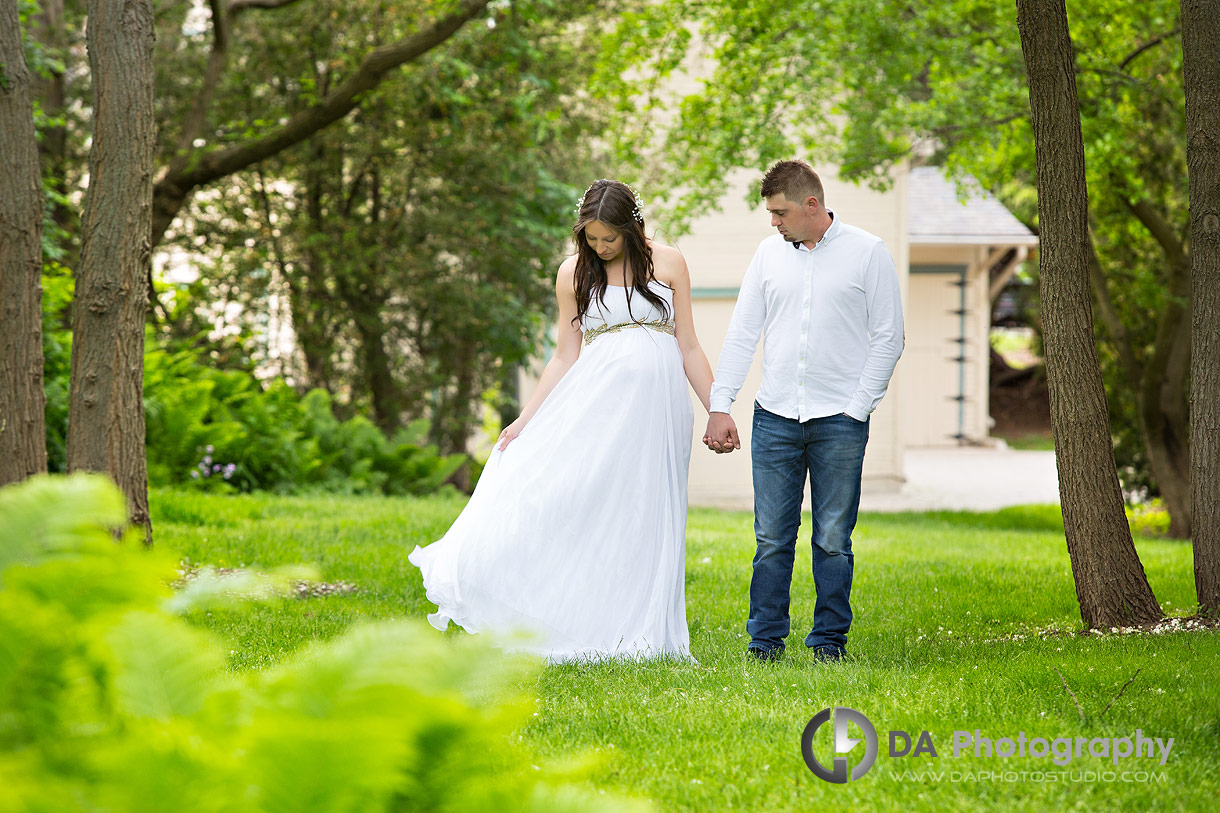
[{"x": 510, "y": 434}]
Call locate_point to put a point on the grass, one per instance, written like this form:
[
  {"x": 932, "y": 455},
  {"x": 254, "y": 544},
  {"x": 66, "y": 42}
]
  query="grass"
[
  {"x": 951, "y": 611},
  {"x": 1036, "y": 442}
]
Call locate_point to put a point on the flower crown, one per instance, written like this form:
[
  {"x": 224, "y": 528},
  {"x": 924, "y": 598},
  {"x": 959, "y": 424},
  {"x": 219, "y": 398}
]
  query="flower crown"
[{"x": 635, "y": 213}]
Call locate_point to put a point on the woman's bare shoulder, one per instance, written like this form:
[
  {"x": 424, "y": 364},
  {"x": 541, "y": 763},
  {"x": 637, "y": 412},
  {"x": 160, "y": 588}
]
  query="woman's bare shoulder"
[
  {"x": 567, "y": 270},
  {"x": 669, "y": 265}
]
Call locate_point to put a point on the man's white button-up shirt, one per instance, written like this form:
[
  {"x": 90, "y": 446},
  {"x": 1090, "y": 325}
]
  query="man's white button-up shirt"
[{"x": 831, "y": 322}]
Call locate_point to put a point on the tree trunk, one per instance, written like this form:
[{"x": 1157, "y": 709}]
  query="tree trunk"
[
  {"x": 1110, "y": 583},
  {"x": 1160, "y": 384},
  {"x": 1163, "y": 381},
  {"x": 510, "y": 393},
  {"x": 376, "y": 367},
  {"x": 453, "y": 416},
  {"x": 51, "y": 30},
  {"x": 106, "y": 408},
  {"x": 1200, "y": 56},
  {"x": 23, "y": 433},
  {"x": 1169, "y": 461},
  {"x": 1164, "y": 412},
  {"x": 313, "y": 321}
]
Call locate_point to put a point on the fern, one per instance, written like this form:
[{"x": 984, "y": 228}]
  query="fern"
[{"x": 111, "y": 701}]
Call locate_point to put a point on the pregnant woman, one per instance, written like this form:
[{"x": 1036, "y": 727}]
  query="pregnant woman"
[{"x": 576, "y": 531}]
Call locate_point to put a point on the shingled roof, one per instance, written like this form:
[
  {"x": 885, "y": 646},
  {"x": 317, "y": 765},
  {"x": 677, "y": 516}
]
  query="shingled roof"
[{"x": 938, "y": 217}]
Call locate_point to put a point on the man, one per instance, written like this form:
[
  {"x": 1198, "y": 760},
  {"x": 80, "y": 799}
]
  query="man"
[{"x": 825, "y": 297}]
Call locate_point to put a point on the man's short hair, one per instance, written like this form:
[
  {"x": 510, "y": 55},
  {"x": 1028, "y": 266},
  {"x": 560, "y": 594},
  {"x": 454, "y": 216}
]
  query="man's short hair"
[{"x": 795, "y": 180}]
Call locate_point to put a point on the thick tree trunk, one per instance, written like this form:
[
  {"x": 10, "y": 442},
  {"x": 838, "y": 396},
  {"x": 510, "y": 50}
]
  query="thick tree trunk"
[
  {"x": 106, "y": 408},
  {"x": 1110, "y": 583},
  {"x": 1200, "y": 56},
  {"x": 23, "y": 433}
]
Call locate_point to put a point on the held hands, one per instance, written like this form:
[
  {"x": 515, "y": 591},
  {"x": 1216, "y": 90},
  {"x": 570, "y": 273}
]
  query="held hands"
[
  {"x": 509, "y": 434},
  {"x": 721, "y": 434}
]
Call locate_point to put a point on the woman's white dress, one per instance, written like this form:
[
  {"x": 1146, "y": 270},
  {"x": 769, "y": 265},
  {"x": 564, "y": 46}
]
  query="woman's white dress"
[{"x": 576, "y": 533}]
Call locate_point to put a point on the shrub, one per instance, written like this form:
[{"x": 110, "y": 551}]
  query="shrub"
[
  {"x": 225, "y": 430},
  {"x": 110, "y": 701}
]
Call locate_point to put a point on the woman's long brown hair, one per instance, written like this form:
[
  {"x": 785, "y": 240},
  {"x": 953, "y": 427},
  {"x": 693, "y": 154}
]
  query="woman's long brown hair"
[{"x": 613, "y": 204}]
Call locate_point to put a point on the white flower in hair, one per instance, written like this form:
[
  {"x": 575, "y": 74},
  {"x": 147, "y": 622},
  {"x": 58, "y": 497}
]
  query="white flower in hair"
[
  {"x": 639, "y": 206},
  {"x": 635, "y": 213}
]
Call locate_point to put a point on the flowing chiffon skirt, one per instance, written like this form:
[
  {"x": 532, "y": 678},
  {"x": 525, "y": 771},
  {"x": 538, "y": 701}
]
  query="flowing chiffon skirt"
[{"x": 575, "y": 534}]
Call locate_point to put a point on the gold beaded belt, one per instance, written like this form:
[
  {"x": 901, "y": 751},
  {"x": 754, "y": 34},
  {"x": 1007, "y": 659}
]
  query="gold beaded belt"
[{"x": 664, "y": 326}]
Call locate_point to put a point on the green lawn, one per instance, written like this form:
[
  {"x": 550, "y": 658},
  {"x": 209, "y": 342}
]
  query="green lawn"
[
  {"x": 1031, "y": 443},
  {"x": 951, "y": 611}
]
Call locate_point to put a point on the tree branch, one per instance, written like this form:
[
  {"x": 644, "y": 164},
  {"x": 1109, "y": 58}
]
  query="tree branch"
[
  {"x": 1163, "y": 392},
  {"x": 950, "y": 129},
  {"x": 1079, "y": 710},
  {"x": 238, "y": 6},
  {"x": 193, "y": 125},
  {"x": 1109, "y": 315},
  {"x": 1120, "y": 693},
  {"x": 1157, "y": 40},
  {"x": 1165, "y": 235},
  {"x": 223, "y": 18},
  {"x": 172, "y": 190}
]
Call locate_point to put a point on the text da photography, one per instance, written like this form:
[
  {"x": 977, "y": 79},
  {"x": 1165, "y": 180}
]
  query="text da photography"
[{"x": 841, "y": 744}]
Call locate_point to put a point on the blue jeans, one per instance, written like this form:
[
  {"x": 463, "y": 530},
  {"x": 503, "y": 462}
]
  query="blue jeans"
[{"x": 782, "y": 450}]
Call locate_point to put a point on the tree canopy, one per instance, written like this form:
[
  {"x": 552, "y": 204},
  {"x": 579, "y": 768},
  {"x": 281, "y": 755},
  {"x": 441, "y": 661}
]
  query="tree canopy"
[{"x": 871, "y": 85}]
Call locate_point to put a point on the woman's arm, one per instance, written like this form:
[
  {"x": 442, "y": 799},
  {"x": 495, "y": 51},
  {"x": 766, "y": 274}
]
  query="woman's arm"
[
  {"x": 568, "y": 350},
  {"x": 671, "y": 269}
]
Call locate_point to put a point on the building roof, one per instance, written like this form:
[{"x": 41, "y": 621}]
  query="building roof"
[{"x": 938, "y": 216}]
